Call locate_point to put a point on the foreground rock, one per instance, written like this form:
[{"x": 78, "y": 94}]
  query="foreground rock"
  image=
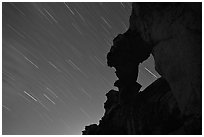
[
  {"x": 172, "y": 104},
  {"x": 153, "y": 111},
  {"x": 175, "y": 31}
]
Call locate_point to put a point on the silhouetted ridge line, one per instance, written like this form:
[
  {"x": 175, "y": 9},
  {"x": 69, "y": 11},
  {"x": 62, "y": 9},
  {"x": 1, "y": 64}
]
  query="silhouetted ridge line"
[{"x": 173, "y": 103}]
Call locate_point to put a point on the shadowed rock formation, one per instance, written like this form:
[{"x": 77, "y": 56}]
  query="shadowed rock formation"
[
  {"x": 173, "y": 103},
  {"x": 152, "y": 111}
]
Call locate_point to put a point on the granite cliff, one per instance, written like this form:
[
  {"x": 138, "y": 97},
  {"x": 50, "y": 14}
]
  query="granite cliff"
[{"x": 172, "y": 33}]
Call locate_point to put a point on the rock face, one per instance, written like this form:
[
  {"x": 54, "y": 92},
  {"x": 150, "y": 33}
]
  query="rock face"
[
  {"x": 173, "y": 103},
  {"x": 175, "y": 31},
  {"x": 152, "y": 111}
]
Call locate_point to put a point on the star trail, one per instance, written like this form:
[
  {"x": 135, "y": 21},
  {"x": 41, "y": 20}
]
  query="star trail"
[{"x": 54, "y": 74}]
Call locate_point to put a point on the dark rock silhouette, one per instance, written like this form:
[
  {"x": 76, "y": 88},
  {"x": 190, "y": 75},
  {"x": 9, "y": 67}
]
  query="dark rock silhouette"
[
  {"x": 112, "y": 100},
  {"x": 90, "y": 130},
  {"x": 171, "y": 104},
  {"x": 152, "y": 111}
]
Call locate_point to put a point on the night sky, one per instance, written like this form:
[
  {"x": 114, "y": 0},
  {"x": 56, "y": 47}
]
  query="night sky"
[{"x": 54, "y": 72}]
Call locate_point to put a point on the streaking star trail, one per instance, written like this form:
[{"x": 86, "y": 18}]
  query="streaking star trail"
[{"x": 54, "y": 72}]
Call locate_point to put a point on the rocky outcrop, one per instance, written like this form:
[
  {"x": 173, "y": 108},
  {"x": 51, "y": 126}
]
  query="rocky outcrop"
[
  {"x": 175, "y": 30},
  {"x": 152, "y": 111},
  {"x": 173, "y": 103}
]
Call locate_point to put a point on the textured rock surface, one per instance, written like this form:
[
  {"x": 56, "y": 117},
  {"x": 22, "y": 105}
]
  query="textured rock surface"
[
  {"x": 176, "y": 31},
  {"x": 153, "y": 111},
  {"x": 172, "y": 32}
]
